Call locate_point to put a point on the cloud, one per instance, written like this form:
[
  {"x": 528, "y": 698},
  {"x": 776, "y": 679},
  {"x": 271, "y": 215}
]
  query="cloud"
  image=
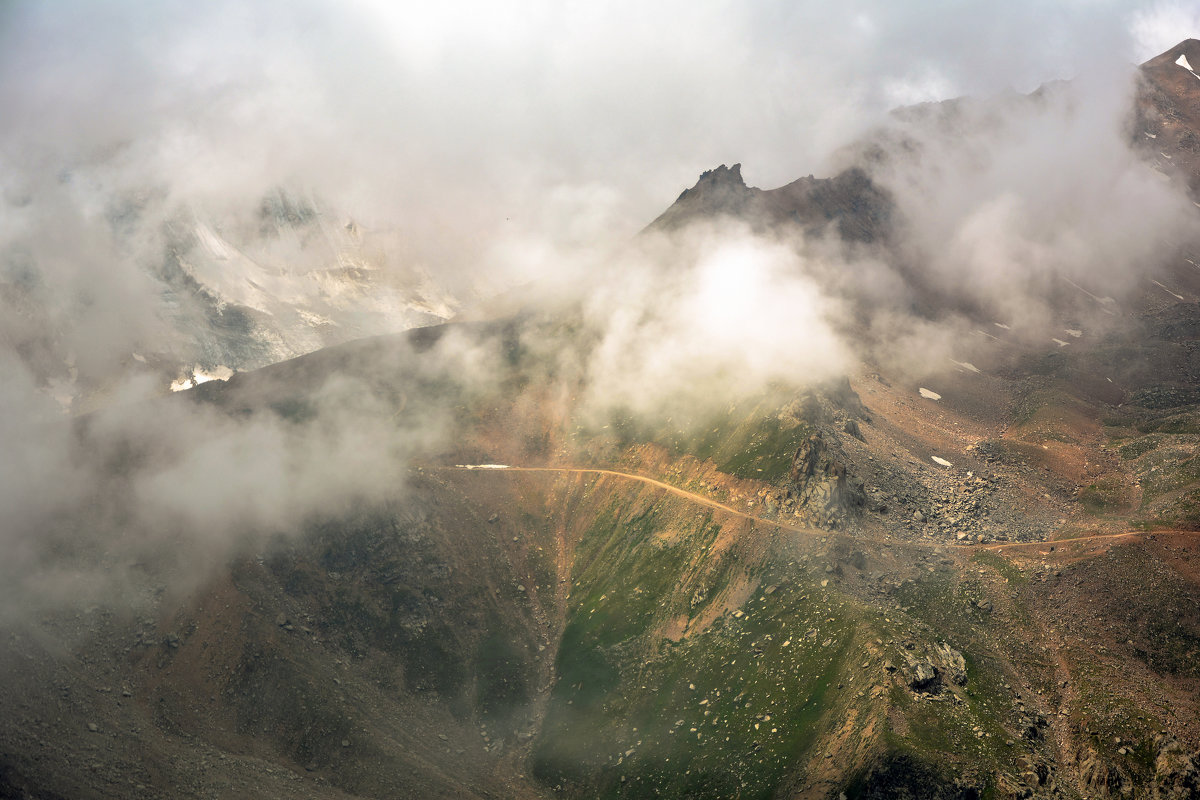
[
  {"x": 1008, "y": 200},
  {"x": 1158, "y": 26},
  {"x": 691, "y": 323},
  {"x": 480, "y": 147},
  {"x": 159, "y": 493}
]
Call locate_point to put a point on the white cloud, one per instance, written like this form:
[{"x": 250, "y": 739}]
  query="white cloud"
[{"x": 1161, "y": 25}]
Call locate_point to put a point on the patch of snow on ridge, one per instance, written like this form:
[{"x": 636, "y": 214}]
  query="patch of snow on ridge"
[
  {"x": 482, "y": 466},
  {"x": 1168, "y": 291},
  {"x": 220, "y": 373},
  {"x": 942, "y": 461},
  {"x": 1183, "y": 62},
  {"x": 928, "y": 394},
  {"x": 198, "y": 375}
]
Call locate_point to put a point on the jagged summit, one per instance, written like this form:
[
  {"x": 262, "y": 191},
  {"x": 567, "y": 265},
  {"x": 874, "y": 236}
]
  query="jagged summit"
[
  {"x": 721, "y": 176},
  {"x": 850, "y": 201},
  {"x": 720, "y": 191}
]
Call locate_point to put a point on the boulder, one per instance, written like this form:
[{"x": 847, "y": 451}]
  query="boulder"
[
  {"x": 923, "y": 677},
  {"x": 953, "y": 665}
]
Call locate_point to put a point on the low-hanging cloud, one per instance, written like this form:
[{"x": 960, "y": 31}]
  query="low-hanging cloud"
[
  {"x": 113, "y": 504},
  {"x": 1008, "y": 200},
  {"x": 477, "y": 147},
  {"x": 696, "y": 322}
]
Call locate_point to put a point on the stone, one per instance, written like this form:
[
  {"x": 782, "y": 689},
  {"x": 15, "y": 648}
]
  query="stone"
[
  {"x": 954, "y": 666},
  {"x": 923, "y": 677}
]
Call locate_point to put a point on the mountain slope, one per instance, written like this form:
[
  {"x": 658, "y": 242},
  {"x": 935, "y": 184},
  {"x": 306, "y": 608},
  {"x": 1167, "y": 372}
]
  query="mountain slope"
[{"x": 967, "y": 575}]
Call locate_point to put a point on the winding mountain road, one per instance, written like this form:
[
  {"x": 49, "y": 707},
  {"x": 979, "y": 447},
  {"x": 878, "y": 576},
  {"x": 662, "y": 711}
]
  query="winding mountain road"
[{"x": 700, "y": 499}]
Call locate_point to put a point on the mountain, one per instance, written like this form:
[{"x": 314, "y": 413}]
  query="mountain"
[
  {"x": 849, "y": 203},
  {"x": 219, "y": 295},
  {"x": 452, "y": 562},
  {"x": 1168, "y": 106}
]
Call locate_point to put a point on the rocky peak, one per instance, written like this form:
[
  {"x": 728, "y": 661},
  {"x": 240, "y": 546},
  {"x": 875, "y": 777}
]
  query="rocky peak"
[
  {"x": 1166, "y": 125},
  {"x": 850, "y": 201},
  {"x": 721, "y": 176},
  {"x": 1188, "y": 49},
  {"x": 718, "y": 191}
]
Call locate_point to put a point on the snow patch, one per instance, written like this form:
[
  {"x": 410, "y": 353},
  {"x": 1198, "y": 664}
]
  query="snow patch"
[
  {"x": 220, "y": 373},
  {"x": 1168, "y": 291},
  {"x": 967, "y": 365},
  {"x": 217, "y": 247},
  {"x": 314, "y": 319},
  {"x": 1060, "y": 342},
  {"x": 1150, "y": 135},
  {"x": 1183, "y": 62},
  {"x": 1002, "y": 326},
  {"x": 199, "y": 375},
  {"x": 942, "y": 461},
  {"x": 929, "y": 395},
  {"x": 482, "y": 466},
  {"x": 1073, "y": 332},
  {"x": 138, "y": 357}
]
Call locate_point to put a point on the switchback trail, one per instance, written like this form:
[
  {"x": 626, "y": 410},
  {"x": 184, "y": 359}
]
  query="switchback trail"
[{"x": 700, "y": 499}]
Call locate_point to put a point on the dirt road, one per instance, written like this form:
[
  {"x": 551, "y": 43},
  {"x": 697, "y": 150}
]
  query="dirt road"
[{"x": 700, "y": 499}]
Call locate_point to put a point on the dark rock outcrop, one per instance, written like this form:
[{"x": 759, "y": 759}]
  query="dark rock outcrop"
[
  {"x": 850, "y": 203},
  {"x": 822, "y": 485},
  {"x": 1176, "y": 776},
  {"x": 899, "y": 776}
]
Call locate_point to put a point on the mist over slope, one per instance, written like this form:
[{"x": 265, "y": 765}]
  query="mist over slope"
[{"x": 833, "y": 470}]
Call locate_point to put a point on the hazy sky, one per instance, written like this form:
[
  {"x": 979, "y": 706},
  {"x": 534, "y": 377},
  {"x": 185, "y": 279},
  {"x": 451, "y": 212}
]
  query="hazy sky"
[{"x": 464, "y": 122}]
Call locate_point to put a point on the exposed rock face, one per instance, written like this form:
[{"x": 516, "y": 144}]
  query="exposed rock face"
[
  {"x": 1100, "y": 778},
  {"x": 1176, "y": 776},
  {"x": 822, "y": 484}
]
